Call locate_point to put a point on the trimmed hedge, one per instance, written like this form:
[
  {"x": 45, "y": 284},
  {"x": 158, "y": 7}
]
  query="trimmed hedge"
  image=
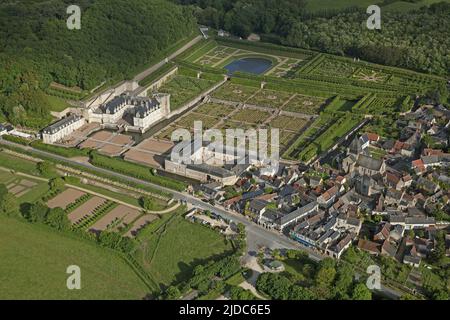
[
  {"x": 264, "y": 47},
  {"x": 61, "y": 151},
  {"x": 135, "y": 170},
  {"x": 14, "y": 139}
]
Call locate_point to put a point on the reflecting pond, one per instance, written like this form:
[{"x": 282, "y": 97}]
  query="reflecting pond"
[{"x": 249, "y": 65}]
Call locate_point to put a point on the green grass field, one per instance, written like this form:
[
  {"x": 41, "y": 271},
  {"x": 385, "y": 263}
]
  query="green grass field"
[
  {"x": 174, "y": 246},
  {"x": 35, "y": 258},
  {"x": 18, "y": 164},
  {"x": 56, "y": 104}
]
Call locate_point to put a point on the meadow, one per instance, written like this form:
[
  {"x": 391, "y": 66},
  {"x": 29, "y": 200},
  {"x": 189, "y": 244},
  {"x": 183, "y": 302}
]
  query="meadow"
[
  {"x": 172, "y": 247},
  {"x": 104, "y": 275}
]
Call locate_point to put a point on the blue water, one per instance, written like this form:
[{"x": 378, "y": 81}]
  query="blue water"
[{"x": 249, "y": 65}]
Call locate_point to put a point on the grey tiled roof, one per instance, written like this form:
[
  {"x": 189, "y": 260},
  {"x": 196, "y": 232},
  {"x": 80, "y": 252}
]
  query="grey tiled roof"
[
  {"x": 369, "y": 162},
  {"x": 298, "y": 213},
  {"x": 57, "y": 126}
]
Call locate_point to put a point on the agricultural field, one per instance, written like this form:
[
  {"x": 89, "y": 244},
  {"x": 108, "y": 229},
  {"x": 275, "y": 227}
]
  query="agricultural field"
[
  {"x": 94, "y": 213},
  {"x": 104, "y": 274},
  {"x": 172, "y": 247},
  {"x": 183, "y": 89}
]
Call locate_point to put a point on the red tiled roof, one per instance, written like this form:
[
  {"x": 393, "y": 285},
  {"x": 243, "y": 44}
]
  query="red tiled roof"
[
  {"x": 369, "y": 246},
  {"x": 432, "y": 152},
  {"x": 232, "y": 200},
  {"x": 417, "y": 163},
  {"x": 373, "y": 136},
  {"x": 267, "y": 197}
]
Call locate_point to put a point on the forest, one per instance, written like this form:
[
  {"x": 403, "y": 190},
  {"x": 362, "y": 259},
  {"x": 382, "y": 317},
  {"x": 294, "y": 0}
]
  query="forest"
[
  {"x": 416, "y": 39},
  {"x": 116, "y": 40}
]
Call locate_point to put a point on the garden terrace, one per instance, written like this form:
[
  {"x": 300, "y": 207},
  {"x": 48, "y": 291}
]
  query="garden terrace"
[
  {"x": 219, "y": 53},
  {"x": 116, "y": 220},
  {"x": 326, "y": 140},
  {"x": 86, "y": 209},
  {"x": 233, "y": 92},
  {"x": 183, "y": 89},
  {"x": 64, "y": 199}
]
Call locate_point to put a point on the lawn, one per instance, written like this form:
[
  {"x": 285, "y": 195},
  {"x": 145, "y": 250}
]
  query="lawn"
[
  {"x": 35, "y": 258},
  {"x": 56, "y": 104},
  {"x": 174, "y": 246},
  {"x": 18, "y": 164}
]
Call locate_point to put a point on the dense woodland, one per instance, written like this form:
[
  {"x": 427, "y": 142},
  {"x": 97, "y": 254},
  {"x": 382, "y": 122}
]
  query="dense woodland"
[
  {"x": 416, "y": 40},
  {"x": 117, "y": 38}
]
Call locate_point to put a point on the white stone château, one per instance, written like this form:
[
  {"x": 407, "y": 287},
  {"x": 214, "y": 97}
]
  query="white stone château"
[
  {"x": 144, "y": 111},
  {"x": 61, "y": 129}
]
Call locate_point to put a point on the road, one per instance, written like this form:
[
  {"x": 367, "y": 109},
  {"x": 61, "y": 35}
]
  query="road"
[
  {"x": 257, "y": 236},
  {"x": 155, "y": 67}
]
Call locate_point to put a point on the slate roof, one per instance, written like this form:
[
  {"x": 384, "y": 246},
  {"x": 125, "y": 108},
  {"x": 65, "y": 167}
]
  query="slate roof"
[
  {"x": 61, "y": 124},
  {"x": 369, "y": 162},
  {"x": 298, "y": 213}
]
